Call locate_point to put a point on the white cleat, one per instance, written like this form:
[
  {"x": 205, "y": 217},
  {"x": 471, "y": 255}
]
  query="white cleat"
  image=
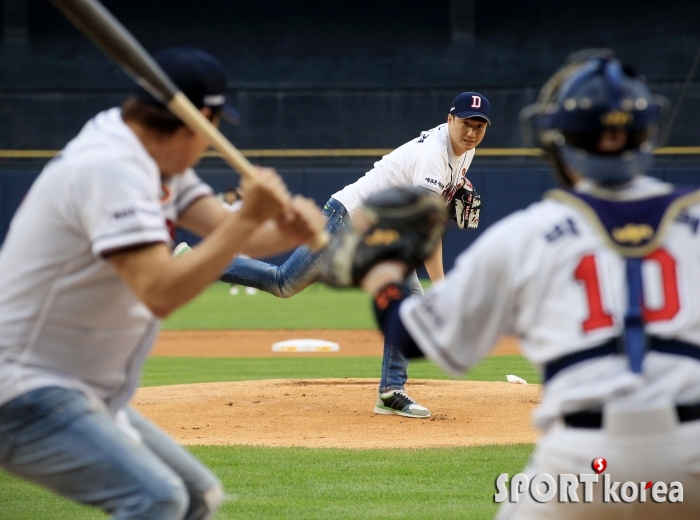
[{"x": 398, "y": 402}]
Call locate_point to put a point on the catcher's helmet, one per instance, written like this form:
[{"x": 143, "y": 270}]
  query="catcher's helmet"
[{"x": 594, "y": 93}]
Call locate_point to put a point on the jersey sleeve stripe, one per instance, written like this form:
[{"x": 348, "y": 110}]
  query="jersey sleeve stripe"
[
  {"x": 129, "y": 232},
  {"x": 127, "y": 239},
  {"x": 132, "y": 247}
]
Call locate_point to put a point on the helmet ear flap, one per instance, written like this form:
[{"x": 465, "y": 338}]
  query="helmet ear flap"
[
  {"x": 560, "y": 169},
  {"x": 550, "y": 142}
]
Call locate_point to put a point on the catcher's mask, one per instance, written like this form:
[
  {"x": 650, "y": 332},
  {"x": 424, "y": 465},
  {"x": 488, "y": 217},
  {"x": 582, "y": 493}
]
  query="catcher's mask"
[{"x": 592, "y": 94}]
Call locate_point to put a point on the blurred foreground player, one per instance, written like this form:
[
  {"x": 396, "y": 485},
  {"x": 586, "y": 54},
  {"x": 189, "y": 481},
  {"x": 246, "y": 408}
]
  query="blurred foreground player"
[
  {"x": 601, "y": 282},
  {"x": 86, "y": 271}
]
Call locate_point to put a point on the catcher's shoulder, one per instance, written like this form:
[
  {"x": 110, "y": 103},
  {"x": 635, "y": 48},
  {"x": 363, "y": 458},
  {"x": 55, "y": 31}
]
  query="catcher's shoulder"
[{"x": 532, "y": 220}]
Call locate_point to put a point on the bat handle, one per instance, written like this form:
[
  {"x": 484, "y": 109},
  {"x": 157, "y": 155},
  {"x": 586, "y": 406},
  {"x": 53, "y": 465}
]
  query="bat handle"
[{"x": 193, "y": 118}]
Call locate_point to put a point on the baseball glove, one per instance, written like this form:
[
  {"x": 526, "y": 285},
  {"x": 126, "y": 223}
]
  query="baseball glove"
[
  {"x": 465, "y": 207},
  {"x": 405, "y": 224}
]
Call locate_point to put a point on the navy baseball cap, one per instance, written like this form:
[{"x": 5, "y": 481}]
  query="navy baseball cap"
[
  {"x": 471, "y": 104},
  {"x": 199, "y": 75}
]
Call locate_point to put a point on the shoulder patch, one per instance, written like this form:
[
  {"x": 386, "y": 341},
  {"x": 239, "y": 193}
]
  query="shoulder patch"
[
  {"x": 562, "y": 229},
  {"x": 686, "y": 218}
]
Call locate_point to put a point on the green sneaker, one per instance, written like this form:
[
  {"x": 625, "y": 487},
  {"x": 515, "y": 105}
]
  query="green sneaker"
[
  {"x": 181, "y": 249},
  {"x": 398, "y": 402}
]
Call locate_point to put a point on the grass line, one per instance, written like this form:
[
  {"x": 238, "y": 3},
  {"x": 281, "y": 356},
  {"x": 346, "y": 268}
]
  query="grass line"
[
  {"x": 289, "y": 483},
  {"x": 175, "y": 370}
]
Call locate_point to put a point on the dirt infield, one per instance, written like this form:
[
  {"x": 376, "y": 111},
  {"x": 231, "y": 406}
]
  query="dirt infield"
[
  {"x": 328, "y": 412},
  {"x": 338, "y": 413}
]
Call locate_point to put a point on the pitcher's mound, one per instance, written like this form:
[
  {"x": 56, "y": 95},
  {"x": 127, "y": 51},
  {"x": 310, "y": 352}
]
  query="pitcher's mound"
[{"x": 339, "y": 413}]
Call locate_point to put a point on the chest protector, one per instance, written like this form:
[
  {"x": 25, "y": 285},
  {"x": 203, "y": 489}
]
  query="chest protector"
[{"x": 633, "y": 229}]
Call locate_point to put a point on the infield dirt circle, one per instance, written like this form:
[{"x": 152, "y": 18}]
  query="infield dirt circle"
[{"x": 329, "y": 412}]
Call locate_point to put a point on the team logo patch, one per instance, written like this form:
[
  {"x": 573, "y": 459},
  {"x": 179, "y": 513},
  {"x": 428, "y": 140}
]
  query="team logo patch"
[
  {"x": 616, "y": 118},
  {"x": 476, "y": 102},
  {"x": 382, "y": 237},
  {"x": 633, "y": 233},
  {"x": 434, "y": 182}
]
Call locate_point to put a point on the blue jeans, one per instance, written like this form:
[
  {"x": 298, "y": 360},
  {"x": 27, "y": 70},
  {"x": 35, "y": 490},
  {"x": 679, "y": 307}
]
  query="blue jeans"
[
  {"x": 57, "y": 438},
  {"x": 300, "y": 271}
]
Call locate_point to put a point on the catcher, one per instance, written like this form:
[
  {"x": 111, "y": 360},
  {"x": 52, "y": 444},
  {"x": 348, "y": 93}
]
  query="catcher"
[{"x": 600, "y": 282}]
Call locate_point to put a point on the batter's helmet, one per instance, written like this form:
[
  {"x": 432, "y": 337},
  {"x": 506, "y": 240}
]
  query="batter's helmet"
[{"x": 592, "y": 94}]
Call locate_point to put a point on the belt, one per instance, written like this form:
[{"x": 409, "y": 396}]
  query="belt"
[
  {"x": 593, "y": 419},
  {"x": 613, "y": 346}
]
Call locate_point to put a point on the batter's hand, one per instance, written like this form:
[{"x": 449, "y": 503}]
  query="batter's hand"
[
  {"x": 302, "y": 221},
  {"x": 266, "y": 196}
]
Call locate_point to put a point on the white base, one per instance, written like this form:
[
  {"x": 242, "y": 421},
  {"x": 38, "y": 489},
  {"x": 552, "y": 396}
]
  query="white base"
[{"x": 305, "y": 345}]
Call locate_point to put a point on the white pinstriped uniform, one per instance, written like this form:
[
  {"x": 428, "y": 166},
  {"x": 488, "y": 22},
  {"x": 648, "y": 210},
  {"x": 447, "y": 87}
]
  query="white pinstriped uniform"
[
  {"x": 524, "y": 277},
  {"x": 427, "y": 161}
]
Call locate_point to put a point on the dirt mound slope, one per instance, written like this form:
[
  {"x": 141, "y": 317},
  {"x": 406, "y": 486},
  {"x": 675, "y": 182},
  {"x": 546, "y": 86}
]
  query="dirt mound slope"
[{"x": 339, "y": 413}]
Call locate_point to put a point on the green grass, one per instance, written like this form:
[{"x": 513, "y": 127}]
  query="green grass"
[
  {"x": 279, "y": 483},
  {"x": 20, "y": 500},
  {"x": 176, "y": 370},
  {"x": 316, "y": 307}
]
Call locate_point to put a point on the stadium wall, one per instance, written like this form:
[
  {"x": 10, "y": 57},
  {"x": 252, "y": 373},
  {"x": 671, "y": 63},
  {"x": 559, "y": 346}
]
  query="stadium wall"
[{"x": 504, "y": 189}]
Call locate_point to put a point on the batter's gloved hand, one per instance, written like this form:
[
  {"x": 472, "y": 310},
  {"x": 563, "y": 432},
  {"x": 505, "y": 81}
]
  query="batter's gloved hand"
[
  {"x": 404, "y": 223},
  {"x": 465, "y": 207}
]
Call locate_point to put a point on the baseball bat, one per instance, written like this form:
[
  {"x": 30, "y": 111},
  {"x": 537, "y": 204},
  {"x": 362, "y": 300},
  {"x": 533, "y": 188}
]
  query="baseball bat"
[{"x": 100, "y": 26}]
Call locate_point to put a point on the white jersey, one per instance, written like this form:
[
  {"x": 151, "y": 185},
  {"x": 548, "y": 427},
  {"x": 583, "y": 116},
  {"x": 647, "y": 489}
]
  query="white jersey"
[
  {"x": 177, "y": 193},
  {"x": 545, "y": 275},
  {"x": 427, "y": 161},
  {"x": 67, "y": 318}
]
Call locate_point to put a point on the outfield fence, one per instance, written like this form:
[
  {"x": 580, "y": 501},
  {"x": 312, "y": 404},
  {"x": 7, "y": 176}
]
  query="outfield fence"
[{"x": 507, "y": 179}]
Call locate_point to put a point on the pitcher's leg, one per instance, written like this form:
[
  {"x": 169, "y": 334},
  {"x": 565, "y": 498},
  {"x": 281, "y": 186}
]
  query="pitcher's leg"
[
  {"x": 58, "y": 439},
  {"x": 297, "y": 273},
  {"x": 392, "y": 396},
  {"x": 394, "y": 363},
  {"x": 283, "y": 281}
]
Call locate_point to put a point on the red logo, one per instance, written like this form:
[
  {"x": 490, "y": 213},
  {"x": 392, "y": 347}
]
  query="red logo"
[
  {"x": 599, "y": 465},
  {"x": 172, "y": 228}
]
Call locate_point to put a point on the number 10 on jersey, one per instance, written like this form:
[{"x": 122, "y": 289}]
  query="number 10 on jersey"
[{"x": 587, "y": 274}]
